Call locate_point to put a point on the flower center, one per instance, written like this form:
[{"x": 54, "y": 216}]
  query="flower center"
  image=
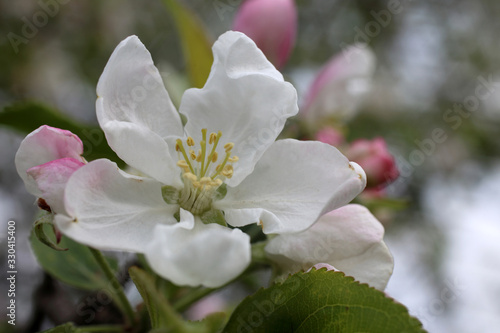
[{"x": 201, "y": 174}]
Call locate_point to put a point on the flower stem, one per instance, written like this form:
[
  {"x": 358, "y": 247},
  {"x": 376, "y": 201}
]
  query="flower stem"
[{"x": 120, "y": 299}]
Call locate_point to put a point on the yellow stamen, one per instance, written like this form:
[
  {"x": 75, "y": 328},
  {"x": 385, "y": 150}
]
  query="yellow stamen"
[
  {"x": 213, "y": 136},
  {"x": 210, "y": 157},
  {"x": 228, "y": 146},
  {"x": 205, "y": 180},
  {"x": 190, "y": 141},
  {"x": 192, "y": 154},
  {"x": 228, "y": 171},
  {"x": 214, "y": 157},
  {"x": 181, "y": 148},
  {"x": 233, "y": 159}
]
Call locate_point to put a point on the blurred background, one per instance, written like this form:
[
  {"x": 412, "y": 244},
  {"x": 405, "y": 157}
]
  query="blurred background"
[{"x": 437, "y": 71}]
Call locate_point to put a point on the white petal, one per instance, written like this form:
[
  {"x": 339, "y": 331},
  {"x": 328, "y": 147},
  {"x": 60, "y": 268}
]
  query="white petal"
[
  {"x": 205, "y": 254},
  {"x": 111, "y": 210},
  {"x": 293, "y": 184},
  {"x": 245, "y": 97},
  {"x": 145, "y": 151},
  {"x": 43, "y": 145},
  {"x": 131, "y": 90},
  {"x": 349, "y": 239}
]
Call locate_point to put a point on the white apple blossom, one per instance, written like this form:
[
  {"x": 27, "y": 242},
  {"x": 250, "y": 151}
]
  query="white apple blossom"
[
  {"x": 348, "y": 239},
  {"x": 222, "y": 168}
]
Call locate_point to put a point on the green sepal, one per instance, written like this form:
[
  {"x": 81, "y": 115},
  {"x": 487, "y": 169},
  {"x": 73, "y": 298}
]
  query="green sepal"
[
  {"x": 40, "y": 232},
  {"x": 177, "y": 216},
  {"x": 221, "y": 192},
  {"x": 170, "y": 194},
  {"x": 214, "y": 216}
]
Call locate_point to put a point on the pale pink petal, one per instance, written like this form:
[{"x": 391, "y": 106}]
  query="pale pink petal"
[
  {"x": 341, "y": 84},
  {"x": 51, "y": 179},
  {"x": 272, "y": 25},
  {"x": 350, "y": 239},
  {"x": 43, "y": 145}
]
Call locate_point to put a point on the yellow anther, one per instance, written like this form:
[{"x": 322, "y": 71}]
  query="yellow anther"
[
  {"x": 212, "y": 138},
  {"x": 183, "y": 164},
  {"x": 214, "y": 157},
  {"x": 228, "y": 171},
  {"x": 190, "y": 176},
  {"x": 192, "y": 154},
  {"x": 186, "y": 159},
  {"x": 228, "y": 146},
  {"x": 217, "y": 182},
  {"x": 177, "y": 147},
  {"x": 218, "y": 167},
  {"x": 190, "y": 141},
  {"x": 233, "y": 159},
  {"x": 205, "y": 180},
  {"x": 198, "y": 158}
]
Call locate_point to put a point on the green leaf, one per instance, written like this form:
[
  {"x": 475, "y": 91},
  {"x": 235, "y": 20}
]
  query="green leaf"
[
  {"x": 214, "y": 322},
  {"x": 76, "y": 267},
  {"x": 25, "y": 117},
  {"x": 39, "y": 230},
  {"x": 321, "y": 301},
  {"x": 195, "y": 42}
]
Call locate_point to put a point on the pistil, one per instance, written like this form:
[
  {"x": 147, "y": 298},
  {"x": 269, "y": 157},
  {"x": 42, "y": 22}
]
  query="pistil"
[{"x": 199, "y": 188}]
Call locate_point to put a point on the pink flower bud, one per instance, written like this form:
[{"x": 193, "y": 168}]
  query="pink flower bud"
[
  {"x": 271, "y": 24},
  {"x": 331, "y": 136},
  {"x": 341, "y": 84},
  {"x": 375, "y": 159},
  {"x": 46, "y": 159}
]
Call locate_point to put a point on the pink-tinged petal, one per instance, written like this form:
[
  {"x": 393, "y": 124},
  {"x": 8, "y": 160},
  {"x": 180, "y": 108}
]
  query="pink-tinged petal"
[
  {"x": 293, "y": 184},
  {"x": 198, "y": 254},
  {"x": 43, "y": 145},
  {"x": 331, "y": 136},
  {"x": 51, "y": 179},
  {"x": 349, "y": 239},
  {"x": 111, "y": 210},
  {"x": 245, "y": 98},
  {"x": 131, "y": 92},
  {"x": 272, "y": 25},
  {"x": 206, "y": 306},
  {"x": 341, "y": 84},
  {"x": 375, "y": 159}
]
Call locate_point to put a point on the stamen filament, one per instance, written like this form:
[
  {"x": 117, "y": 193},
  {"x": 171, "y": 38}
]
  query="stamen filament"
[
  {"x": 203, "y": 145},
  {"x": 210, "y": 157},
  {"x": 181, "y": 148},
  {"x": 220, "y": 167}
]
